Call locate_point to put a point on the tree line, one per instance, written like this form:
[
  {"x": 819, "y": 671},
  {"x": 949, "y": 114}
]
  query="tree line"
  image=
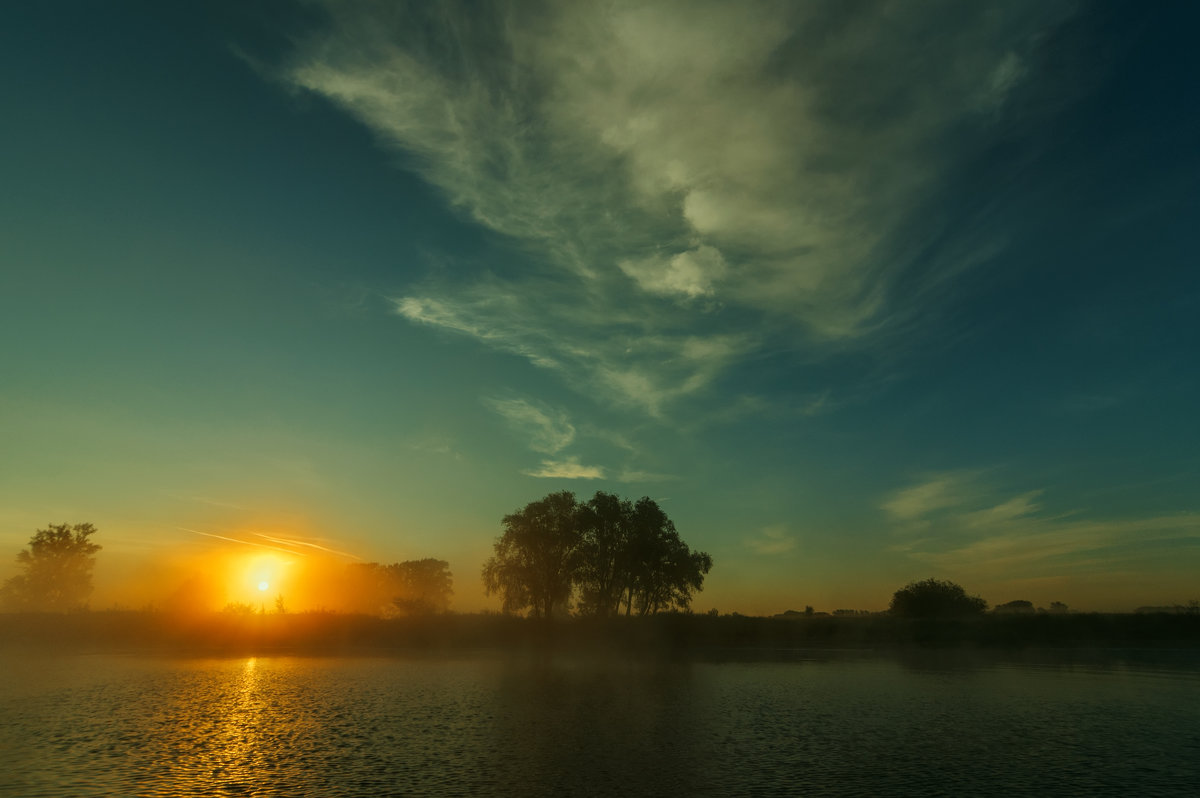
[
  {"x": 412, "y": 587},
  {"x": 56, "y": 576},
  {"x": 603, "y": 557}
]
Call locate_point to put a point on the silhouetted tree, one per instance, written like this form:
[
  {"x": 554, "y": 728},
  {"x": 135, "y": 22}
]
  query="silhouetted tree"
[
  {"x": 1017, "y": 607},
  {"x": 422, "y": 587},
  {"x": 413, "y": 587},
  {"x": 663, "y": 571},
  {"x": 537, "y": 559},
  {"x": 935, "y": 598},
  {"x": 615, "y": 553},
  {"x": 606, "y": 526},
  {"x": 57, "y": 570}
]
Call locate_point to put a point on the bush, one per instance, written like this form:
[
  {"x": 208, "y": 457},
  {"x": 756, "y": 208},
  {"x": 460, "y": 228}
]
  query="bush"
[{"x": 935, "y": 598}]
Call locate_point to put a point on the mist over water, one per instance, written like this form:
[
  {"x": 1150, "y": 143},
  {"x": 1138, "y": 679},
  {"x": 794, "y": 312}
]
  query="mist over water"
[{"x": 563, "y": 725}]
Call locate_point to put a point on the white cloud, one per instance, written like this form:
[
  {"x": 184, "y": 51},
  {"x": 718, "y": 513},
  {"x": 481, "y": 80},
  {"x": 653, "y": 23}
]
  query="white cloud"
[
  {"x": 491, "y": 324},
  {"x": 689, "y": 274},
  {"x": 960, "y": 500},
  {"x": 1004, "y": 512},
  {"x": 1037, "y": 544},
  {"x": 570, "y": 468},
  {"x": 606, "y": 357},
  {"x": 772, "y": 540},
  {"x": 545, "y": 430},
  {"x": 768, "y": 157},
  {"x": 932, "y": 495},
  {"x": 962, "y": 525}
]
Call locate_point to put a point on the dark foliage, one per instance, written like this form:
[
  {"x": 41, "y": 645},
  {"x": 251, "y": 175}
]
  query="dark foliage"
[
  {"x": 1017, "y": 606},
  {"x": 413, "y": 587},
  {"x": 935, "y": 598},
  {"x": 673, "y": 634},
  {"x": 538, "y": 557},
  {"x": 614, "y": 556},
  {"x": 56, "y": 571}
]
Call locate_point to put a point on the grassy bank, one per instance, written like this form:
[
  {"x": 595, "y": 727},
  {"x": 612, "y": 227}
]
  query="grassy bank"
[{"x": 331, "y": 633}]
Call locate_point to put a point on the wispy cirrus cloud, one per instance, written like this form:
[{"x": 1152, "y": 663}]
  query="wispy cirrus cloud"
[
  {"x": 548, "y": 431},
  {"x": 752, "y": 171},
  {"x": 963, "y": 524},
  {"x": 633, "y": 475},
  {"x": 774, "y": 539},
  {"x": 241, "y": 541},
  {"x": 544, "y": 429},
  {"x": 614, "y": 358},
  {"x": 306, "y": 544},
  {"x": 206, "y": 500},
  {"x": 497, "y": 326},
  {"x": 567, "y": 468},
  {"x": 1065, "y": 545},
  {"x": 285, "y": 545},
  {"x": 932, "y": 494},
  {"x": 433, "y": 443}
]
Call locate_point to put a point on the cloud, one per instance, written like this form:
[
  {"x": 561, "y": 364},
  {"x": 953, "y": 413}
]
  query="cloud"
[
  {"x": 207, "y": 500},
  {"x": 663, "y": 161},
  {"x": 1065, "y": 545},
  {"x": 688, "y": 274},
  {"x": 436, "y": 444},
  {"x": 1010, "y": 510},
  {"x": 570, "y": 468},
  {"x": 965, "y": 526},
  {"x": 608, "y": 356},
  {"x": 1007, "y": 74},
  {"x": 483, "y": 321},
  {"x": 644, "y": 476},
  {"x": 242, "y": 542},
  {"x": 962, "y": 500},
  {"x": 932, "y": 495},
  {"x": 772, "y": 540},
  {"x": 547, "y": 431},
  {"x": 295, "y": 542}
]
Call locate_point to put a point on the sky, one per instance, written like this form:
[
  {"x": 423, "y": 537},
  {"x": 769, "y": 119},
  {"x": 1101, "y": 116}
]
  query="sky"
[{"x": 860, "y": 293}]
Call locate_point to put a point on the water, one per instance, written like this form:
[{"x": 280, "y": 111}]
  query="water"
[{"x": 528, "y": 726}]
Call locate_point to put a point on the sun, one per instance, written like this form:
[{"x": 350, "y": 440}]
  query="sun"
[{"x": 251, "y": 577}]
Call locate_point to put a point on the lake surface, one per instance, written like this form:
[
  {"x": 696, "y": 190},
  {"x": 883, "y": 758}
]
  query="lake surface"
[{"x": 491, "y": 724}]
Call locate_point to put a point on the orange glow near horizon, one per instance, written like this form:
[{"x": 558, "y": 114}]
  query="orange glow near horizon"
[
  {"x": 249, "y": 577},
  {"x": 209, "y": 578}
]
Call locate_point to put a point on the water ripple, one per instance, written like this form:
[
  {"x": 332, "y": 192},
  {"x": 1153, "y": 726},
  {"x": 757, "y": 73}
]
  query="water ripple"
[{"x": 124, "y": 726}]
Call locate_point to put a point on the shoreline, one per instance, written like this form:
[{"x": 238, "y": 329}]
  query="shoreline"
[{"x": 332, "y": 634}]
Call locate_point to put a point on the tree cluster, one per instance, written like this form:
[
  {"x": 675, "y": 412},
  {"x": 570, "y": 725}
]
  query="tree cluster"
[
  {"x": 56, "y": 571},
  {"x": 609, "y": 555},
  {"x": 935, "y": 598},
  {"x": 413, "y": 587}
]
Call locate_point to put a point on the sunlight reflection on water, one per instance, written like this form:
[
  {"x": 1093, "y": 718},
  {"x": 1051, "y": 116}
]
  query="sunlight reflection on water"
[{"x": 109, "y": 725}]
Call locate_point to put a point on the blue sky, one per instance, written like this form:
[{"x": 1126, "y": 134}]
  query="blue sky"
[{"x": 859, "y": 292}]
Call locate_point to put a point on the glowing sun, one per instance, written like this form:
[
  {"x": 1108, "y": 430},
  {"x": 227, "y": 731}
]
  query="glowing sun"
[{"x": 263, "y": 586}]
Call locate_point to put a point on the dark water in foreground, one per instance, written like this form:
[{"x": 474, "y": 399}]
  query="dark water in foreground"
[{"x": 496, "y": 725}]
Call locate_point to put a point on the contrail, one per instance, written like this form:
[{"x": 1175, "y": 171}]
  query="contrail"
[
  {"x": 243, "y": 542},
  {"x": 290, "y": 542}
]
